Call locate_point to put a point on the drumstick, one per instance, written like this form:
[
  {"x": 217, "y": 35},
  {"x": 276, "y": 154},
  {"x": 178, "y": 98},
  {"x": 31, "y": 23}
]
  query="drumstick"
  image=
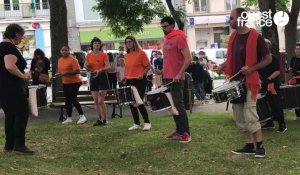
[
  {"x": 132, "y": 77},
  {"x": 234, "y": 75},
  {"x": 168, "y": 83}
]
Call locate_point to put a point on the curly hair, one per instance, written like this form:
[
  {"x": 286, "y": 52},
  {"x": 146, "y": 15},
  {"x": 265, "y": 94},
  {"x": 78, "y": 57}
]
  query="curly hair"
[{"x": 95, "y": 39}]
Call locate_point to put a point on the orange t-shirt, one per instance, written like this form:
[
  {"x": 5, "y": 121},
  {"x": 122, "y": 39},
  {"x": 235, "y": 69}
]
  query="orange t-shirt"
[
  {"x": 66, "y": 64},
  {"x": 135, "y": 63},
  {"x": 96, "y": 62}
]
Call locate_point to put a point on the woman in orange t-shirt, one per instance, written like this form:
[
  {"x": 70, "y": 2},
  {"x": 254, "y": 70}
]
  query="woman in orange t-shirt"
[
  {"x": 97, "y": 62},
  {"x": 69, "y": 70},
  {"x": 136, "y": 67}
]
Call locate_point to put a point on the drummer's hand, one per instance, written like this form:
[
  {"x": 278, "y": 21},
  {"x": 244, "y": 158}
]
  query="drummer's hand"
[
  {"x": 227, "y": 79},
  {"x": 157, "y": 72},
  {"x": 62, "y": 73},
  {"x": 97, "y": 73},
  {"x": 246, "y": 70},
  {"x": 176, "y": 78},
  {"x": 219, "y": 70},
  {"x": 140, "y": 77},
  {"x": 27, "y": 76}
]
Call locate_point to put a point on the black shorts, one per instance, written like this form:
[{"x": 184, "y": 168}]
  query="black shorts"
[{"x": 100, "y": 82}]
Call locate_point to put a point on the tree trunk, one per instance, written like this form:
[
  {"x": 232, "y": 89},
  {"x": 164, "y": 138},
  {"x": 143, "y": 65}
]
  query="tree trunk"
[
  {"x": 59, "y": 36},
  {"x": 271, "y": 33},
  {"x": 173, "y": 13},
  {"x": 290, "y": 30}
]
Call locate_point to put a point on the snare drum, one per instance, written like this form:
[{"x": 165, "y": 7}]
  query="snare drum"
[
  {"x": 158, "y": 99},
  {"x": 228, "y": 91},
  {"x": 290, "y": 95},
  {"x": 111, "y": 96},
  {"x": 263, "y": 108},
  {"x": 125, "y": 95}
]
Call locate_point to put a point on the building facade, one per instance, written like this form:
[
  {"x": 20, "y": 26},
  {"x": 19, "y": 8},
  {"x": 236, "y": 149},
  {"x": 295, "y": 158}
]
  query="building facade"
[
  {"x": 34, "y": 17},
  {"x": 90, "y": 25},
  {"x": 207, "y": 22}
]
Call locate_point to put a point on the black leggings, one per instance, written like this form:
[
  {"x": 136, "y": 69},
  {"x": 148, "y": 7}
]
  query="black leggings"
[
  {"x": 112, "y": 78},
  {"x": 15, "y": 107},
  {"x": 141, "y": 87},
  {"x": 70, "y": 92}
]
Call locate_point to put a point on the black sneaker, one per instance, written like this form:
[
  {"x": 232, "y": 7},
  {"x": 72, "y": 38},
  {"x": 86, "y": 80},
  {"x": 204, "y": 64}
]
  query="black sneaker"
[
  {"x": 260, "y": 152},
  {"x": 244, "y": 150},
  {"x": 7, "y": 150},
  {"x": 23, "y": 150},
  {"x": 269, "y": 125},
  {"x": 282, "y": 129},
  {"x": 98, "y": 123},
  {"x": 104, "y": 122}
]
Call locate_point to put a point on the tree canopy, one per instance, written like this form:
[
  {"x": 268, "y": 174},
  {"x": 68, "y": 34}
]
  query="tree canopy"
[{"x": 128, "y": 17}]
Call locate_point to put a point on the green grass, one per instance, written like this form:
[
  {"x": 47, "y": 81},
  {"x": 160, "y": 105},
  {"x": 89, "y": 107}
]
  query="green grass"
[{"x": 84, "y": 149}]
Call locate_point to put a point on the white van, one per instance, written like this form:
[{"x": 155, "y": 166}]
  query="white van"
[{"x": 216, "y": 55}]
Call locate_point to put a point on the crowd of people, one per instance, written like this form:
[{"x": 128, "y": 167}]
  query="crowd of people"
[{"x": 134, "y": 68}]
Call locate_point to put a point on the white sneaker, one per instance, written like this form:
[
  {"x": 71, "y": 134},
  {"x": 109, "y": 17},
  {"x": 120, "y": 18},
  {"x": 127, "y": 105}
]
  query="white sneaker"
[
  {"x": 82, "y": 119},
  {"x": 67, "y": 121},
  {"x": 134, "y": 127},
  {"x": 147, "y": 126}
]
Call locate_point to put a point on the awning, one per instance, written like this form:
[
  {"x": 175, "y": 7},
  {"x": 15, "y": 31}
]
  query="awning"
[{"x": 106, "y": 36}]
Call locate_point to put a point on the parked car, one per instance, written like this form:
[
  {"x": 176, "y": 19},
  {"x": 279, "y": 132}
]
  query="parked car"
[
  {"x": 216, "y": 55},
  {"x": 114, "y": 52}
]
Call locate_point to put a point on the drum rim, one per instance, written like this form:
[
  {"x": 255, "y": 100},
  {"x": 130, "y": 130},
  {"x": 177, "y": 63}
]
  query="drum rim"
[
  {"x": 162, "y": 109},
  {"x": 234, "y": 84},
  {"x": 158, "y": 90}
]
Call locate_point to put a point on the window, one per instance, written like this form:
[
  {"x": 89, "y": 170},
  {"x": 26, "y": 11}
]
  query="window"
[
  {"x": 45, "y": 4},
  {"x": 11, "y": 5},
  {"x": 219, "y": 54},
  {"x": 200, "y": 5},
  {"x": 231, "y": 4},
  {"x": 41, "y": 4}
]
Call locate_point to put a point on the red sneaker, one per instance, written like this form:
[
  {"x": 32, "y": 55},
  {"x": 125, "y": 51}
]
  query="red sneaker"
[
  {"x": 175, "y": 136},
  {"x": 186, "y": 138}
]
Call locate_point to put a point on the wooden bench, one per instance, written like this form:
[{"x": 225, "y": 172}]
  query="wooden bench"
[{"x": 84, "y": 98}]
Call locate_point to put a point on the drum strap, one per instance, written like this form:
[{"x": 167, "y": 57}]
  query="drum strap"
[
  {"x": 173, "y": 109},
  {"x": 138, "y": 100},
  {"x": 227, "y": 105}
]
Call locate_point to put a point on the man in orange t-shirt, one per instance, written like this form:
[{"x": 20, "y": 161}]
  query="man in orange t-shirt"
[
  {"x": 97, "y": 62},
  {"x": 69, "y": 70}
]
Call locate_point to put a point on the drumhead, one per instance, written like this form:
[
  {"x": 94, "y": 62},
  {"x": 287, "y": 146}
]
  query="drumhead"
[
  {"x": 158, "y": 90},
  {"x": 226, "y": 86},
  {"x": 289, "y": 86},
  {"x": 33, "y": 86}
]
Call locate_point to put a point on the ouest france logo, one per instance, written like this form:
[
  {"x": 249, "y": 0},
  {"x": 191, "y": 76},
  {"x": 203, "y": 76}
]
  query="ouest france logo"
[{"x": 263, "y": 19}]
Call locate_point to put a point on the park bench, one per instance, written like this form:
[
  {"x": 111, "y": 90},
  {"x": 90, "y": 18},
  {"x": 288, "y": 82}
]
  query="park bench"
[{"x": 84, "y": 98}]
